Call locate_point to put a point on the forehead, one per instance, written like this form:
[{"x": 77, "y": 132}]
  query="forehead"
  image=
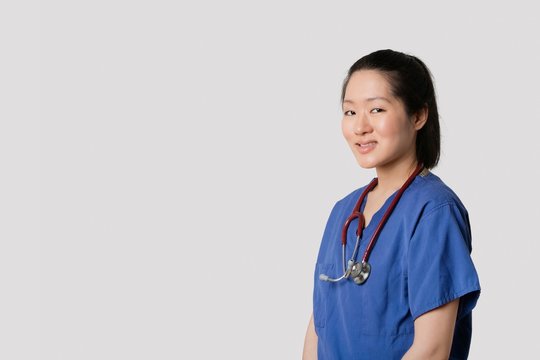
[{"x": 365, "y": 85}]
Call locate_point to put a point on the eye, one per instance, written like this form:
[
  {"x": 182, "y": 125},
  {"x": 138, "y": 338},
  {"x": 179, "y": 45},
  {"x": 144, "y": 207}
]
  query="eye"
[
  {"x": 349, "y": 113},
  {"x": 376, "y": 110}
]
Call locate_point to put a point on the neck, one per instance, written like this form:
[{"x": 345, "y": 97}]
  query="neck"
[{"x": 391, "y": 177}]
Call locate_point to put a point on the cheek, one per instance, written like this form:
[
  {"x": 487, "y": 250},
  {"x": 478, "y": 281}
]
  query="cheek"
[
  {"x": 346, "y": 129},
  {"x": 395, "y": 128},
  {"x": 389, "y": 127}
]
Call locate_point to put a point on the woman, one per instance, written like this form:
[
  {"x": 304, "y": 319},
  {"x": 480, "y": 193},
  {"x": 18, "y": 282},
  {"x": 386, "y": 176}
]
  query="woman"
[{"x": 408, "y": 289}]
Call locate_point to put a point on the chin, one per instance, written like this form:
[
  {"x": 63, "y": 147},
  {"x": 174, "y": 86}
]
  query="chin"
[{"x": 366, "y": 165}]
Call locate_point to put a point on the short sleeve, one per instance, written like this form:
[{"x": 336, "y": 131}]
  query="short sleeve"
[{"x": 440, "y": 268}]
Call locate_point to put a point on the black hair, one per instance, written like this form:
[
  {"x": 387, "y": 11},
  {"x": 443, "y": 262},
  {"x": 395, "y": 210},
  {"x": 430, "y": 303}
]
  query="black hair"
[{"x": 410, "y": 81}]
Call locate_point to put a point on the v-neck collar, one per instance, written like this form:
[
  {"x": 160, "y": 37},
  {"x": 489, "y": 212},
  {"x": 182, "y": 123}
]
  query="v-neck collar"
[{"x": 376, "y": 218}]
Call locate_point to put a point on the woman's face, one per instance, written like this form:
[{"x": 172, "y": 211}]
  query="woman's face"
[{"x": 375, "y": 123}]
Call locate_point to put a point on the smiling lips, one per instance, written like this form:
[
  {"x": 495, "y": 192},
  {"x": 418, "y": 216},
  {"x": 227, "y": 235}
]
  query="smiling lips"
[{"x": 366, "y": 147}]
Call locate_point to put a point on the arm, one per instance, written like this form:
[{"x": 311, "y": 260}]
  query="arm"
[
  {"x": 310, "y": 342},
  {"x": 433, "y": 333}
]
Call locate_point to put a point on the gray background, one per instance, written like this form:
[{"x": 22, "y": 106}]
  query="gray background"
[{"x": 168, "y": 167}]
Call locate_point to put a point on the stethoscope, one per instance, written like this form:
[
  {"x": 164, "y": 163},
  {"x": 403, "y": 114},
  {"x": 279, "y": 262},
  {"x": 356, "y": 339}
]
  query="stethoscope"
[{"x": 359, "y": 271}]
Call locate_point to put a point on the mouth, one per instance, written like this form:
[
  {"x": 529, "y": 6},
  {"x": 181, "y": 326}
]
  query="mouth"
[
  {"x": 366, "y": 144},
  {"x": 366, "y": 147}
]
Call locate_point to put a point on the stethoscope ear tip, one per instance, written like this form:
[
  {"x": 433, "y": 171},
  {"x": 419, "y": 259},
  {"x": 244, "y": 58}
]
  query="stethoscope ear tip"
[{"x": 323, "y": 277}]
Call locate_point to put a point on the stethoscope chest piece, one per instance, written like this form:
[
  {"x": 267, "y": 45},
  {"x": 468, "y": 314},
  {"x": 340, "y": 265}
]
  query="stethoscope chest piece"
[{"x": 360, "y": 272}]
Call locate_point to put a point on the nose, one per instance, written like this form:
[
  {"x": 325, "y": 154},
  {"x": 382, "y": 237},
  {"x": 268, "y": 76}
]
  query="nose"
[{"x": 361, "y": 124}]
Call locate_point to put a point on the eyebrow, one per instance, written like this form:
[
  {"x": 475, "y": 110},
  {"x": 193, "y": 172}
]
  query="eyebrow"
[{"x": 368, "y": 99}]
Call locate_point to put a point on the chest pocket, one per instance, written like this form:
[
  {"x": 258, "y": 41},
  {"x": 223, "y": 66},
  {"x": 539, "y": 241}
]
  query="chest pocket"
[{"x": 321, "y": 294}]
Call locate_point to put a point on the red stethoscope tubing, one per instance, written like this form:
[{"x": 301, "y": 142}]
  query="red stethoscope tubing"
[{"x": 361, "y": 220}]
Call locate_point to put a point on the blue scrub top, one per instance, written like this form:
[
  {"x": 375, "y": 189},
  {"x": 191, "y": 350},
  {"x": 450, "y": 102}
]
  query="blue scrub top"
[{"x": 420, "y": 261}]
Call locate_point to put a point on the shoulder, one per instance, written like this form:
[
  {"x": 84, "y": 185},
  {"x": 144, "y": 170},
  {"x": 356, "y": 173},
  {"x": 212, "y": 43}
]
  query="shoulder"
[
  {"x": 425, "y": 195},
  {"x": 430, "y": 193},
  {"x": 433, "y": 206},
  {"x": 349, "y": 200}
]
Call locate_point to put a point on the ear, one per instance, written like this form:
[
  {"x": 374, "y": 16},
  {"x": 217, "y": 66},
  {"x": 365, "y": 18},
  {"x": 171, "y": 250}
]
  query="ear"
[{"x": 420, "y": 118}]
